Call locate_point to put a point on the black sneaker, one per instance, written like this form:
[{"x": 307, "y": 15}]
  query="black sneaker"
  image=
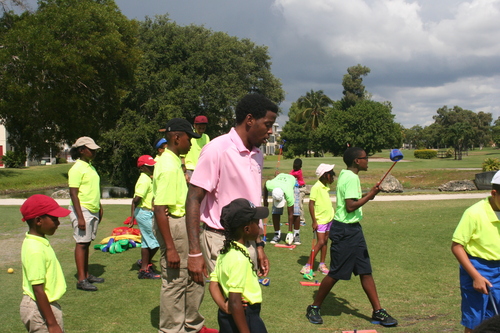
[
  {"x": 148, "y": 275},
  {"x": 313, "y": 314},
  {"x": 276, "y": 239},
  {"x": 383, "y": 318},
  {"x": 85, "y": 285},
  {"x": 95, "y": 279}
]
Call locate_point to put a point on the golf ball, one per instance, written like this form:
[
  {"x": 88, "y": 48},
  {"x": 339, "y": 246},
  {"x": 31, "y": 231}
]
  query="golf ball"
[{"x": 10, "y": 270}]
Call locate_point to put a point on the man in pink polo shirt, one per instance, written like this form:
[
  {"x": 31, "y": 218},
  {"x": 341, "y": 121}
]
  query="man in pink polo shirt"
[{"x": 230, "y": 167}]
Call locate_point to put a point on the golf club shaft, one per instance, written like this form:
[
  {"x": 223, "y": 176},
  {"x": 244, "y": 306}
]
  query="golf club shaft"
[
  {"x": 393, "y": 164},
  {"x": 492, "y": 299},
  {"x": 311, "y": 260}
]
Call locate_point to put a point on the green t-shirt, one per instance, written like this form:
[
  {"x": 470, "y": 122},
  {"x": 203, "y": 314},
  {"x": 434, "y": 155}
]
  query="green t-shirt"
[
  {"x": 285, "y": 182},
  {"x": 192, "y": 156},
  {"x": 348, "y": 187},
  {"x": 144, "y": 189},
  {"x": 323, "y": 208},
  {"x": 83, "y": 176},
  {"x": 235, "y": 274},
  {"x": 40, "y": 265},
  {"x": 169, "y": 184},
  {"x": 479, "y": 231}
]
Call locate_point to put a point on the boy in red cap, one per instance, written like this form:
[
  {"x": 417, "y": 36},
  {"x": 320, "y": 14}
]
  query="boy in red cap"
[
  {"x": 142, "y": 212},
  {"x": 43, "y": 278},
  {"x": 191, "y": 158}
]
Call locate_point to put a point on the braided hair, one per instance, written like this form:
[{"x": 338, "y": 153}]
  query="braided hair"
[{"x": 233, "y": 232}]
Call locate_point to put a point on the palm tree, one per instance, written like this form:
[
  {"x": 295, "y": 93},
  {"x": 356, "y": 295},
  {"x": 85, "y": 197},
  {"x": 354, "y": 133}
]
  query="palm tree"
[{"x": 312, "y": 108}]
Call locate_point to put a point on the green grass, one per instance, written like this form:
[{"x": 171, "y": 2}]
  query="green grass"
[
  {"x": 409, "y": 243},
  {"x": 34, "y": 178}
]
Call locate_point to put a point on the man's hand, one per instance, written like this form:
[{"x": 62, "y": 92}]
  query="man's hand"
[
  {"x": 197, "y": 269},
  {"x": 173, "y": 259},
  {"x": 262, "y": 261}
]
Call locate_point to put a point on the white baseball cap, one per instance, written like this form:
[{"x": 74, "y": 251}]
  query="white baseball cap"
[
  {"x": 496, "y": 178},
  {"x": 278, "y": 198},
  {"x": 322, "y": 168}
]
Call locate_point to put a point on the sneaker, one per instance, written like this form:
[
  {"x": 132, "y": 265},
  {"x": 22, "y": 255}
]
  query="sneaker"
[
  {"x": 313, "y": 314},
  {"x": 139, "y": 262},
  {"x": 289, "y": 238},
  {"x": 296, "y": 240},
  {"x": 148, "y": 275},
  {"x": 302, "y": 223},
  {"x": 205, "y": 329},
  {"x": 306, "y": 269},
  {"x": 276, "y": 239},
  {"x": 323, "y": 269},
  {"x": 85, "y": 285},
  {"x": 152, "y": 270},
  {"x": 94, "y": 279},
  {"x": 383, "y": 318}
]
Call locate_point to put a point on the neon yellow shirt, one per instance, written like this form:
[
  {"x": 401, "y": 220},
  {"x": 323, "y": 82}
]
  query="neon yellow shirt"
[
  {"x": 144, "y": 189},
  {"x": 323, "y": 208},
  {"x": 83, "y": 176},
  {"x": 348, "y": 187},
  {"x": 194, "y": 153},
  {"x": 40, "y": 265},
  {"x": 235, "y": 274},
  {"x": 169, "y": 184},
  {"x": 285, "y": 182},
  {"x": 479, "y": 231}
]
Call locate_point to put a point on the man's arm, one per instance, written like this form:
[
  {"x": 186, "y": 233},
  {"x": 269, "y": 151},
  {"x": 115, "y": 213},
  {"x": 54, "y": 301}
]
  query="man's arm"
[
  {"x": 480, "y": 282},
  {"x": 173, "y": 259},
  {"x": 44, "y": 306},
  {"x": 196, "y": 265},
  {"x": 352, "y": 204}
]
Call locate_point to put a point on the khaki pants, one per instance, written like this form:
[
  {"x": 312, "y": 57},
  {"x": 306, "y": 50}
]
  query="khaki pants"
[
  {"x": 32, "y": 318},
  {"x": 302, "y": 194},
  {"x": 211, "y": 243},
  {"x": 180, "y": 296}
]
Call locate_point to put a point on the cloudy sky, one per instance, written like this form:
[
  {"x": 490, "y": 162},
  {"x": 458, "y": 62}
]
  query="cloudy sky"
[{"x": 423, "y": 54}]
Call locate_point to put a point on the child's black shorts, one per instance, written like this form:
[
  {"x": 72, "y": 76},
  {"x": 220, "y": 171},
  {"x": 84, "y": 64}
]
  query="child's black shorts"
[
  {"x": 252, "y": 314},
  {"x": 348, "y": 252}
]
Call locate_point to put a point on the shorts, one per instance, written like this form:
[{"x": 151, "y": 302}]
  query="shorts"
[
  {"x": 33, "y": 319},
  {"x": 91, "y": 223},
  {"x": 252, "y": 315},
  {"x": 323, "y": 228},
  {"x": 477, "y": 307},
  {"x": 348, "y": 251},
  {"x": 144, "y": 219},
  {"x": 296, "y": 204}
]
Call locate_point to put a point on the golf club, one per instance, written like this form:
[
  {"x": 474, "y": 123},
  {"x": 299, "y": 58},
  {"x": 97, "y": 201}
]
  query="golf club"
[
  {"x": 309, "y": 276},
  {"x": 492, "y": 299},
  {"x": 395, "y": 156}
]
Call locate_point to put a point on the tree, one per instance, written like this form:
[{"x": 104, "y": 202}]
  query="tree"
[
  {"x": 368, "y": 124},
  {"x": 295, "y": 134},
  {"x": 312, "y": 107},
  {"x": 462, "y": 128},
  {"x": 354, "y": 90},
  {"x": 66, "y": 68},
  {"x": 495, "y": 132},
  {"x": 185, "y": 71}
]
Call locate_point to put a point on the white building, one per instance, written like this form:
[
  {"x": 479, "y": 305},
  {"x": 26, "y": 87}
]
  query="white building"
[
  {"x": 4, "y": 145},
  {"x": 272, "y": 146}
]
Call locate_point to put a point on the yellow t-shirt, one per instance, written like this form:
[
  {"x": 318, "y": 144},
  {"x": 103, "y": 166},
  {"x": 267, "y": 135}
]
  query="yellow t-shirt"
[
  {"x": 144, "y": 189},
  {"x": 479, "y": 231},
  {"x": 323, "y": 208},
  {"x": 169, "y": 183},
  {"x": 83, "y": 176},
  {"x": 192, "y": 156},
  {"x": 40, "y": 265},
  {"x": 235, "y": 274}
]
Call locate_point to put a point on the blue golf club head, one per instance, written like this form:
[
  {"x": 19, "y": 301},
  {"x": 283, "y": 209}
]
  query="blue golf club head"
[{"x": 396, "y": 155}]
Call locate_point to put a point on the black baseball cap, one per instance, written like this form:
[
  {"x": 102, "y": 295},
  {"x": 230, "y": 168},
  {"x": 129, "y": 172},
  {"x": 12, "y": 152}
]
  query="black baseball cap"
[
  {"x": 241, "y": 211},
  {"x": 181, "y": 125}
]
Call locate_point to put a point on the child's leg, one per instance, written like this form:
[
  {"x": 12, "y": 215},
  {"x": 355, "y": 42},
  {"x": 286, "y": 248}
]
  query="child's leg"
[
  {"x": 368, "y": 284},
  {"x": 276, "y": 222},
  {"x": 324, "y": 289},
  {"x": 321, "y": 245},
  {"x": 82, "y": 260}
]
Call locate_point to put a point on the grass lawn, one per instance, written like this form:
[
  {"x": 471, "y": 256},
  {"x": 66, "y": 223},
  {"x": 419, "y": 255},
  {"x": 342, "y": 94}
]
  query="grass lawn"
[{"x": 415, "y": 272}]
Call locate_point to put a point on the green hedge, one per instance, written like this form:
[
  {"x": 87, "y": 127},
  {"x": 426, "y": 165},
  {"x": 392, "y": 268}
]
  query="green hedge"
[{"x": 425, "y": 154}]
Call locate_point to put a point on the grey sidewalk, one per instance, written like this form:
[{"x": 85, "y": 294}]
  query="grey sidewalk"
[{"x": 417, "y": 197}]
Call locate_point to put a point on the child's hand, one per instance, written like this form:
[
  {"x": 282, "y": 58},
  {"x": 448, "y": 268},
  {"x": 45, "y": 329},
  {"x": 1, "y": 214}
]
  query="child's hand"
[
  {"x": 315, "y": 226},
  {"x": 481, "y": 285},
  {"x": 131, "y": 222}
]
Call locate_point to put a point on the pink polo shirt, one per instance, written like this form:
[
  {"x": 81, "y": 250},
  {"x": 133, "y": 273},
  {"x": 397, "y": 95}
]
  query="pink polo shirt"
[{"x": 227, "y": 170}]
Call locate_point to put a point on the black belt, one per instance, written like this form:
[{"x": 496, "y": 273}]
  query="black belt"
[{"x": 217, "y": 231}]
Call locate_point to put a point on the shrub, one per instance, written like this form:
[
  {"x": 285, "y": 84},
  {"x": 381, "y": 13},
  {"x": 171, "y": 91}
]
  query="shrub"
[
  {"x": 14, "y": 159},
  {"x": 425, "y": 154},
  {"x": 491, "y": 164},
  {"x": 61, "y": 160}
]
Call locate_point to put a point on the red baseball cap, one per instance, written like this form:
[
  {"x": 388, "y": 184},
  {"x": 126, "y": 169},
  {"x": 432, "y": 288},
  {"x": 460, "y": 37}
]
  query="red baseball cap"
[
  {"x": 145, "y": 160},
  {"x": 39, "y": 204},
  {"x": 201, "y": 120}
]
